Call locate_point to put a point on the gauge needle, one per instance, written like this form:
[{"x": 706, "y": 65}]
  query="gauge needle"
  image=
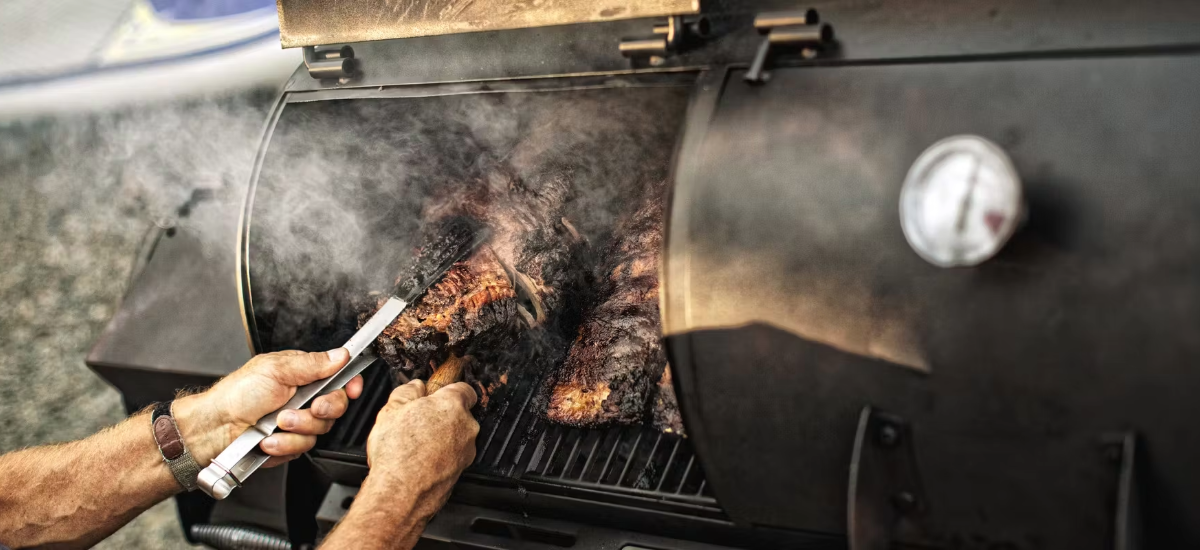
[{"x": 961, "y": 224}]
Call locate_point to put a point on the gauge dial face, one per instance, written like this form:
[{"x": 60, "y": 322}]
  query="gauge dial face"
[{"x": 961, "y": 202}]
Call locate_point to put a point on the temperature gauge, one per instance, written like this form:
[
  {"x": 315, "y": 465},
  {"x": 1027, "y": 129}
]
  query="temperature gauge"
[{"x": 961, "y": 202}]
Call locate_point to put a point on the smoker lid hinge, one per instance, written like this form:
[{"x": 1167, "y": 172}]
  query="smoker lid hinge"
[
  {"x": 331, "y": 63},
  {"x": 671, "y": 37},
  {"x": 799, "y": 30},
  {"x": 885, "y": 490}
]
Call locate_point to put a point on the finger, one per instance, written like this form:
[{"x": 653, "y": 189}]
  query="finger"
[
  {"x": 355, "y": 387},
  {"x": 409, "y": 392},
  {"x": 285, "y": 443},
  {"x": 277, "y": 460},
  {"x": 331, "y": 405},
  {"x": 299, "y": 368},
  {"x": 462, "y": 392},
  {"x": 303, "y": 422}
]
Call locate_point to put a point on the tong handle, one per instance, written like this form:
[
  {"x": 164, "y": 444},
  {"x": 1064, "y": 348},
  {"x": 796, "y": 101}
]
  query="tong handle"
[{"x": 242, "y": 457}]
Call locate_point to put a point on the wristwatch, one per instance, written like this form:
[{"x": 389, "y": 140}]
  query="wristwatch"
[{"x": 170, "y": 444}]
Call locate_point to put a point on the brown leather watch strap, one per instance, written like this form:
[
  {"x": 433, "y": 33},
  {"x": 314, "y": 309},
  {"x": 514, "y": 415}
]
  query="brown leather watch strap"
[
  {"x": 170, "y": 444},
  {"x": 168, "y": 438}
]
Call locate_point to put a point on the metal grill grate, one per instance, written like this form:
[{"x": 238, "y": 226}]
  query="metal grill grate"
[
  {"x": 349, "y": 434},
  {"x": 516, "y": 442},
  {"x": 637, "y": 460},
  {"x": 633, "y": 459}
]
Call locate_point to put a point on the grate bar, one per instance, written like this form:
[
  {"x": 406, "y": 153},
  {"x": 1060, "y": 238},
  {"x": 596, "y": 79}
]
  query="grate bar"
[
  {"x": 686, "y": 471},
  {"x": 609, "y": 488},
  {"x": 670, "y": 462},
  {"x": 636, "y": 443},
  {"x": 591, "y": 455},
  {"x": 515, "y": 423},
  {"x": 535, "y": 456},
  {"x": 554, "y": 451},
  {"x": 615, "y": 447},
  {"x": 570, "y": 457},
  {"x": 700, "y": 491},
  {"x": 492, "y": 434},
  {"x": 650, "y": 458}
]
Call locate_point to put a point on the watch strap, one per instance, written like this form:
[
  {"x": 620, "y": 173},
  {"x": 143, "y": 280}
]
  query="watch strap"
[{"x": 170, "y": 444}]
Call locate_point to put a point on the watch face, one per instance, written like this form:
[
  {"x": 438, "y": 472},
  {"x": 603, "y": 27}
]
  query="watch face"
[{"x": 961, "y": 202}]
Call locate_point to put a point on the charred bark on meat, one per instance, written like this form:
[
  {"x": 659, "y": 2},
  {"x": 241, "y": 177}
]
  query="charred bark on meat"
[
  {"x": 618, "y": 354},
  {"x": 474, "y": 303},
  {"x": 518, "y": 281},
  {"x": 665, "y": 416}
]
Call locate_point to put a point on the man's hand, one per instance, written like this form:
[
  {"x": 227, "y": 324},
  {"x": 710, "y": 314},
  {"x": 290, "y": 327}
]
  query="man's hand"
[
  {"x": 417, "y": 449},
  {"x": 420, "y": 444},
  {"x": 210, "y": 421}
]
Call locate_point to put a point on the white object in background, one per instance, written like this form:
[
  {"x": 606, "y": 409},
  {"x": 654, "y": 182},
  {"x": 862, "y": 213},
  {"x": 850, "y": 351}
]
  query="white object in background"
[
  {"x": 124, "y": 52},
  {"x": 961, "y": 202}
]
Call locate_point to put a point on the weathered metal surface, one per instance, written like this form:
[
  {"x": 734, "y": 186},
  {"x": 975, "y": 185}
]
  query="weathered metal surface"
[{"x": 317, "y": 22}]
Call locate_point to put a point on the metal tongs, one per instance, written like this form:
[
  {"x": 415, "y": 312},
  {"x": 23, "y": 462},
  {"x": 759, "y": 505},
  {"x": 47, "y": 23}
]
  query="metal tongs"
[{"x": 456, "y": 239}]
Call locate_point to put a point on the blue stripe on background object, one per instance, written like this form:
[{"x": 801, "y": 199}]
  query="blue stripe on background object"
[
  {"x": 185, "y": 10},
  {"x": 94, "y": 69}
]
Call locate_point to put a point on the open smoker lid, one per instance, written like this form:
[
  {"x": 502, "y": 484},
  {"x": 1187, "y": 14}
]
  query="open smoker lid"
[
  {"x": 802, "y": 324},
  {"x": 322, "y": 22}
]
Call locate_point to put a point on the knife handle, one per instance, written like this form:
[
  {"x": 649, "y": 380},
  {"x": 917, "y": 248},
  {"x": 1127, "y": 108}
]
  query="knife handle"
[{"x": 447, "y": 373}]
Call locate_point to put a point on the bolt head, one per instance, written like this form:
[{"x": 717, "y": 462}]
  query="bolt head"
[
  {"x": 889, "y": 435},
  {"x": 905, "y": 502}
]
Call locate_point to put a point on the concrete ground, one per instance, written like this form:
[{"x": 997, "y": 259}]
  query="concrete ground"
[{"x": 76, "y": 196}]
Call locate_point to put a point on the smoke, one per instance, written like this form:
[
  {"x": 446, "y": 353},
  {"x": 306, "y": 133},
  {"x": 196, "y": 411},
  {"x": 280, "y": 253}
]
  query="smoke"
[
  {"x": 171, "y": 165},
  {"x": 77, "y": 195},
  {"x": 82, "y": 197},
  {"x": 347, "y": 186}
]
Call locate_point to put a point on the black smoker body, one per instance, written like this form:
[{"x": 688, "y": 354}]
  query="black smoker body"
[{"x": 837, "y": 389}]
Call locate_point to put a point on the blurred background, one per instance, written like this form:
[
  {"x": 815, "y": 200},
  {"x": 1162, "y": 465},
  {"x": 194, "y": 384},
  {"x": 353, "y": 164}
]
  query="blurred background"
[{"x": 113, "y": 113}]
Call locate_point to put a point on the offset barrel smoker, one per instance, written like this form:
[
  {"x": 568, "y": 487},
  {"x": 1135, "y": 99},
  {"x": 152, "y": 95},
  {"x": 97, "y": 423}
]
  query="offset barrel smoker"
[{"x": 838, "y": 385}]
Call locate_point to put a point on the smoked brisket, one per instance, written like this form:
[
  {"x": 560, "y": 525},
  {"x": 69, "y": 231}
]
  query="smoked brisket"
[{"x": 617, "y": 356}]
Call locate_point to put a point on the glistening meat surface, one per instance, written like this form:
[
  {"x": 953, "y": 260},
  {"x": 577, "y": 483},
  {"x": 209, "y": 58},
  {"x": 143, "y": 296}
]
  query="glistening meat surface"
[
  {"x": 516, "y": 282},
  {"x": 474, "y": 304}
]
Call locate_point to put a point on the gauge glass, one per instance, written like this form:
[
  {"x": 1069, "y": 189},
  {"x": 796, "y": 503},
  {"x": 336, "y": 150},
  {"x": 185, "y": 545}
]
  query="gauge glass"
[{"x": 961, "y": 202}]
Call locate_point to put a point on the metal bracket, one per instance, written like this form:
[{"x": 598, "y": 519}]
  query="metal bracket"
[
  {"x": 325, "y": 62},
  {"x": 885, "y": 484},
  {"x": 671, "y": 37},
  {"x": 1127, "y": 517},
  {"x": 787, "y": 30}
]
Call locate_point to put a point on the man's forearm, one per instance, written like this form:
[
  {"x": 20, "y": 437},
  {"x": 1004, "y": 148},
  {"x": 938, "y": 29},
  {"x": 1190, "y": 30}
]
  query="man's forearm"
[
  {"x": 77, "y": 493},
  {"x": 381, "y": 518},
  {"x": 82, "y": 491}
]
